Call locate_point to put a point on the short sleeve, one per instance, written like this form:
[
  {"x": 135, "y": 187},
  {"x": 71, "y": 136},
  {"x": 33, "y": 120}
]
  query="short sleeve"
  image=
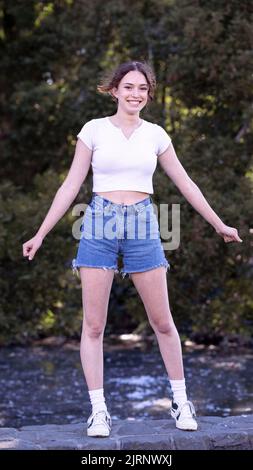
[
  {"x": 163, "y": 140},
  {"x": 86, "y": 134}
]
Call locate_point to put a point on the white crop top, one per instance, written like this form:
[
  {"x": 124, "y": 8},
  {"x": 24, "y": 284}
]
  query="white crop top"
[{"x": 119, "y": 163}]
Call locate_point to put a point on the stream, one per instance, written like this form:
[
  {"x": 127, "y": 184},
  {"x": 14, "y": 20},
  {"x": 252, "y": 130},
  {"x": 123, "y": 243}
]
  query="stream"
[{"x": 45, "y": 384}]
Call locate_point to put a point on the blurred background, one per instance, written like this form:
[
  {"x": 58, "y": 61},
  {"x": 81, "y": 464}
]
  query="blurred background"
[{"x": 53, "y": 55}]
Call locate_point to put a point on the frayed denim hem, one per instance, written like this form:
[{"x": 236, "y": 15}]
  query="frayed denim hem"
[
  {"x": 75, "y": 267},
  {"x": 164, "y": 263}
]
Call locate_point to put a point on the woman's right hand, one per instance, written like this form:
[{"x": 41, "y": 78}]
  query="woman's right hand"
[{"x": 31, "y": 246}]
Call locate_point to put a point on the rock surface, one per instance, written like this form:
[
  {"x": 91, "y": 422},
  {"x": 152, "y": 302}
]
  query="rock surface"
[{"x": 231, "y": 433}]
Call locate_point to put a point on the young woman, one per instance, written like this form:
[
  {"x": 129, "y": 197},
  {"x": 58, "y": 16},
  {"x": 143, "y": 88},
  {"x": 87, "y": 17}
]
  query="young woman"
[{"x": 123, "y": 150}]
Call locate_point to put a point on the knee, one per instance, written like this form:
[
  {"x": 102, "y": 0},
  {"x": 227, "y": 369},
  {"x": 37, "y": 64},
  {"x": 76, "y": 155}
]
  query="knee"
[
  {"x": 94, "y": 330},
  {"x": 166, "y": 327}
]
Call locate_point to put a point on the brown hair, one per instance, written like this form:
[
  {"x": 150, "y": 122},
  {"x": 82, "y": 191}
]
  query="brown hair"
[{"x": 113, "y": 78}]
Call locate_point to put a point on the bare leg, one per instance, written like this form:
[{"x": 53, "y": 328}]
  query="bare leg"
[
  {"x": 152, "y": 288},
  {"x": 96, "y": 288}
]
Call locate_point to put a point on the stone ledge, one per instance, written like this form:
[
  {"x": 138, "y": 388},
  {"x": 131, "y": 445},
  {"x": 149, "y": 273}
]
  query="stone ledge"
[{"x": 214, "y": 433}]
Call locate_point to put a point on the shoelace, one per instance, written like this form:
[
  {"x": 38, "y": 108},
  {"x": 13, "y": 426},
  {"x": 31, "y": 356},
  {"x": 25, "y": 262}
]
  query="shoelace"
[
  {"x": 106, "y": 419},
  {"x": 185, "y": 409}
]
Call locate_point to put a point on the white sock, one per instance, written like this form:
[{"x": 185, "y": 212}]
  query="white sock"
[
  {"x": 97, "y": 400},
  {"x": 179, "y": 391}
]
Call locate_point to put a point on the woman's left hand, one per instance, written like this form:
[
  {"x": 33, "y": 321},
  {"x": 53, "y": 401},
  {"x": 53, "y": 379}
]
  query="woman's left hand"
[{"x": 229, "y": 234}]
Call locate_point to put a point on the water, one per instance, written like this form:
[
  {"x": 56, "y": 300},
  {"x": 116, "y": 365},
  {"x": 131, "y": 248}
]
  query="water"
[{"x": 43, "y": 385}]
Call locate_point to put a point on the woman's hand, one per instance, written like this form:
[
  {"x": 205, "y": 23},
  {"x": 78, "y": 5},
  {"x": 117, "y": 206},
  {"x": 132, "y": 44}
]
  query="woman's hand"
[
  {"x": 229, "y": 234},
  {"x": 31, "y": 246}
]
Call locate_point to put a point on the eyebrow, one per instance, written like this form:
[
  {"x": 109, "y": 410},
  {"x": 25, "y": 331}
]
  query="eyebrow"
[{"x": 142, "y": 84}]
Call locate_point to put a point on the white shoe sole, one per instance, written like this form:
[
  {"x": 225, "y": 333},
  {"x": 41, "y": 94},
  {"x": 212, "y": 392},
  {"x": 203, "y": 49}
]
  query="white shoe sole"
[
  {"x": 185, "y": 427},
  {"x": 98, "y": 432}
]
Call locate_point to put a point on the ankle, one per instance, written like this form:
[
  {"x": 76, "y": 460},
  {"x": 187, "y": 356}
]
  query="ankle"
[
  {"x": 179, "y": 391},
  {"x": 97, "y": 400},
  {"x": 99, "y": 407}
]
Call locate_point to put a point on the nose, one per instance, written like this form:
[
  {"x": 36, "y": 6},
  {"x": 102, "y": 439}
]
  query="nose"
[{"x": 135, "y": 93}]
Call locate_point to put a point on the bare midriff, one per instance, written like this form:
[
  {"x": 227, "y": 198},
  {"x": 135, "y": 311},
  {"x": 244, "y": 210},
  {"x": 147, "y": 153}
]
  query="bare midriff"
[{"x": 124, "y": 197}]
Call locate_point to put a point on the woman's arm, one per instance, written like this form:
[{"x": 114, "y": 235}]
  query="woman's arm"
[
  {"x": 63, "y": 198},
  {"x": 174, "y": 169}
]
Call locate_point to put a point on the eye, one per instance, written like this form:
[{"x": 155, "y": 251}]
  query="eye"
[{"x": 142, "y": 89}]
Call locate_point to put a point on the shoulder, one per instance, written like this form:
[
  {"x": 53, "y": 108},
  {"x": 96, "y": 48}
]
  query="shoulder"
[
  {"x": 153, "y": 126},
  {"x": 95, "y": 122},
  {"x": 150, "y": 127},
  {"x": 149, "y": 124},
  {"x": 98, "y": 120},
  {"x": 157, "y": 130},
  {"x": 161, "y": 137}
]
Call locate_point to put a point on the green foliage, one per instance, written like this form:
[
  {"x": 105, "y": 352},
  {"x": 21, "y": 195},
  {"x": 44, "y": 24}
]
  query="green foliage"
[
  {"x": 53, "y": 55},
  {"x": 37, "y": 297}
]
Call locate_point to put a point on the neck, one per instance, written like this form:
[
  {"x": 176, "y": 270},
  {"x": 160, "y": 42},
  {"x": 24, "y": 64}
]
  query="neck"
[{"x": 128, "y": 120}]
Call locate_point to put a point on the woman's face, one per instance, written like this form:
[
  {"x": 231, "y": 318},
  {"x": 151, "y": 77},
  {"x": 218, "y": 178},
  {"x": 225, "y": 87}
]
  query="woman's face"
[{"x": 132, "y": 92}]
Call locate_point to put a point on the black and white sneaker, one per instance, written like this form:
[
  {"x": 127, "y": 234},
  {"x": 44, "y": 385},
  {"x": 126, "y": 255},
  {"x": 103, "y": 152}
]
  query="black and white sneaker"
[
  {"x": 99, "y": 424},
  {"x": 184, "y": 415}
]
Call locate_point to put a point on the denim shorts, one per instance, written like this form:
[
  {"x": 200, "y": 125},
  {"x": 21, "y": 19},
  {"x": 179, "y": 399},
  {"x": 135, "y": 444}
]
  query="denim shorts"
[{"x": 110, "y": 231}]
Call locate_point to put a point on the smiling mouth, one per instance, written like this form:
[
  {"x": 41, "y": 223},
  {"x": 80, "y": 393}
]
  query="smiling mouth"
[{"x": 134, "y": 101}]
